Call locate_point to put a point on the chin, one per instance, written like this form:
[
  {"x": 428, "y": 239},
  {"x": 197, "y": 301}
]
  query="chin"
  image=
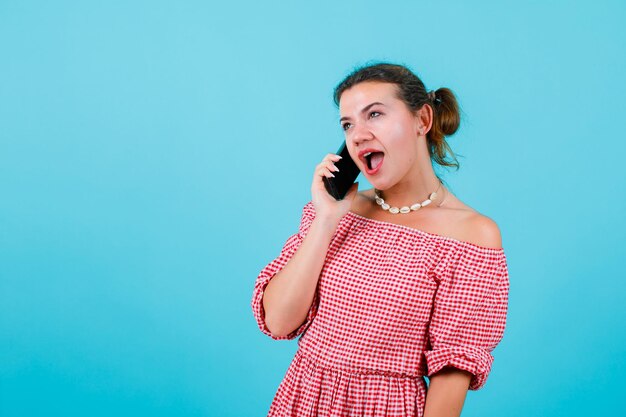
[{"x": 381, "y": 185}]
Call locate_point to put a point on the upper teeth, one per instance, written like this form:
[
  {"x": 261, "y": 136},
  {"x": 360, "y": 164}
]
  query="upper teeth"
[{"x": 367, "y": 154}]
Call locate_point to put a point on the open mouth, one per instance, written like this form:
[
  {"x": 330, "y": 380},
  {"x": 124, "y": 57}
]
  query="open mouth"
[{"x": 374, "y": 160}]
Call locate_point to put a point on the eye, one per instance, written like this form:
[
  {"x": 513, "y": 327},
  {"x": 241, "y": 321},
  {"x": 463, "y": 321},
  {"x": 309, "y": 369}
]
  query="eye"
[
  {"x": 345, "y": 126},
  {"x": 375, "y": 113}
]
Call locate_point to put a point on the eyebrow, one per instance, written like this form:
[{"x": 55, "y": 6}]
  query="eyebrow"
[{"x": 366, "y": 108}]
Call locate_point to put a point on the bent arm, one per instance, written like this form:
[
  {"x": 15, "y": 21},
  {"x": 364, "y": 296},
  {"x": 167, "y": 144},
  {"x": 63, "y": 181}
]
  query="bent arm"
[
  {"x": 289, "y": 294},
  {"x": 446, "y": 393}
]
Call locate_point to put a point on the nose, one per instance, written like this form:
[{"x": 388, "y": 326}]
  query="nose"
[{"x": 360, "y": 133}]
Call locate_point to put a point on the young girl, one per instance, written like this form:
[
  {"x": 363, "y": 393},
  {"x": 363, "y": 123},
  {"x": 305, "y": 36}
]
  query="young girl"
[{"x": 390, "y": 284}]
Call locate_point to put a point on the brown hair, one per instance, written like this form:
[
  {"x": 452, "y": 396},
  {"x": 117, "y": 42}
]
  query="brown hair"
[{"x": 411, "y": 90}]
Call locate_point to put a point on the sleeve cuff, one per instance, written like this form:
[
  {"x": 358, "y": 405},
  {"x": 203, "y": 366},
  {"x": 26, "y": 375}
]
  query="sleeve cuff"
[
  {"x": 475, "y": 360},
  {"x": 259, "y": 313}
]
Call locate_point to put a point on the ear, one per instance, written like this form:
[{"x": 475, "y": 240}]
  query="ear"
[{"x": 424, "y": 119}]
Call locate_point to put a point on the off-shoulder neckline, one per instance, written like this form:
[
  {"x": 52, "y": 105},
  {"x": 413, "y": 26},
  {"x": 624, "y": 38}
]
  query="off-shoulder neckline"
[{"x": 428, "y": 234}]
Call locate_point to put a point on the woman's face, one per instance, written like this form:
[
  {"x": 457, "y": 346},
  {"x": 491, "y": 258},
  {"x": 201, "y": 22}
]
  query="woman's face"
[{"x": 375, "y": 119}]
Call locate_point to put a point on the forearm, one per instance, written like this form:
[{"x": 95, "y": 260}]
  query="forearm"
[
  {"x": 446, "y": 393},
  {"x": 289, "y": 294}
]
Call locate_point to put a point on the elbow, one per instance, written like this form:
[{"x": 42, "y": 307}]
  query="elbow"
[
  {"x": 274, "y": 322},
  {"x": 277, "y": 328}
]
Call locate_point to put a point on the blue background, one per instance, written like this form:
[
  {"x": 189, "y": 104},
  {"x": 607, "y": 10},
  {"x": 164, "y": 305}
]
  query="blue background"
[{"x": 155, "y": 155}]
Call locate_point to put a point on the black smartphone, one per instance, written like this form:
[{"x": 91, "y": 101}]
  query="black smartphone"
[{"x": 343, "y": 179}]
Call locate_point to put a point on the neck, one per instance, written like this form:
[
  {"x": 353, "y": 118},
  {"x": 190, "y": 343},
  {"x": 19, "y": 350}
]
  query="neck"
[
  {"x": 417, "y": 185},
  {"x": 436, "y": 195}
]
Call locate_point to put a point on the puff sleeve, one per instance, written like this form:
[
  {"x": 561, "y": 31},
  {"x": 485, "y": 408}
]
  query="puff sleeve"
[
  {"x": 271, "y": 269},
  {"x": 469, "y": 312}
]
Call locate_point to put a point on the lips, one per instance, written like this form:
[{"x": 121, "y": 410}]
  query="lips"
[
  {"x": 363, "y": 152},
  {"x": 372, "y": 160}
]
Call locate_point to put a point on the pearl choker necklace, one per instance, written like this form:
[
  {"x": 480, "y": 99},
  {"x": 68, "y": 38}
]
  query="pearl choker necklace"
[{"x": 406, "y": 209}]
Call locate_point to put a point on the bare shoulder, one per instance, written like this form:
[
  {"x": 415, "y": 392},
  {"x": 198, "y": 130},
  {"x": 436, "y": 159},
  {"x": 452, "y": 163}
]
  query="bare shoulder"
[
  {"x": 473, "y": 226},
  {"x": 482, "y": 231},
  {"x": 456, "y": 220}
]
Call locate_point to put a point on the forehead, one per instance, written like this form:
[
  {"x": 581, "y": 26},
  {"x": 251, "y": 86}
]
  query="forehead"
[{"x": 360, "y": 95}]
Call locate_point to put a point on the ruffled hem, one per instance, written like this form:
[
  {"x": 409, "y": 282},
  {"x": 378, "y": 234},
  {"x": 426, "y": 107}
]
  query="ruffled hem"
[
  {"x": 476, "y": 361},
  {"x": 312, "y": 390}
]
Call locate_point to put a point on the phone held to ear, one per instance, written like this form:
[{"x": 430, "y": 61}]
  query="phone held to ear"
[{"x": 339, "y": 185}]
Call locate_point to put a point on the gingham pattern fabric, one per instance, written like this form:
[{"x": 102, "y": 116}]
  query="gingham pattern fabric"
[{"x": 393, "y": 304}]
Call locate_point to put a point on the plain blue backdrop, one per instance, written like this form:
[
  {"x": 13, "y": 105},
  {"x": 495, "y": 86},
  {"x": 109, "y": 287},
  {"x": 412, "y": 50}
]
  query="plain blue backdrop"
[{"x": 155, "y": 155}]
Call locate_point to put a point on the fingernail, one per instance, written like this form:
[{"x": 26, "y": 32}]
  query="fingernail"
[
  {"x": 335, "y": 166},
  {"x": 339, "y": 156},
  {"x": 332, "y": 175}
]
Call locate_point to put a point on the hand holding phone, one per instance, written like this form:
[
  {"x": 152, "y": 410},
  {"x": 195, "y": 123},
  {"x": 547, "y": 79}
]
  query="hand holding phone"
[
  {"x": 332, "y": 191},
  {"x": 339, "y": 185}
]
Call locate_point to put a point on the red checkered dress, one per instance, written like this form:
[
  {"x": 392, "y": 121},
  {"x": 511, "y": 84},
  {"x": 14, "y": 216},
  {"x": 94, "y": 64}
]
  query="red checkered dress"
[{"x": 393, "y": 304}]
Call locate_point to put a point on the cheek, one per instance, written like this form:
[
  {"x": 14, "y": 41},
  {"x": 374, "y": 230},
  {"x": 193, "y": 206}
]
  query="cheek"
[
  {"x": 401, "y": 134},
  {"x": 403, "y": 140}
]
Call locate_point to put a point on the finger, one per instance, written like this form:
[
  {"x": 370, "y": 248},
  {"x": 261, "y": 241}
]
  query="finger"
[
  {"x": 321, "y": 171},
  {"x": 332, "y": 157},
  {"x": 332, "y": 167},
  {"x": 321, "y": 167}
]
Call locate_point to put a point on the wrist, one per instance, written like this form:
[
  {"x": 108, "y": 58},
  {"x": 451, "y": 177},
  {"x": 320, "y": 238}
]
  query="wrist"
[{"x": 327, "y": 222}]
